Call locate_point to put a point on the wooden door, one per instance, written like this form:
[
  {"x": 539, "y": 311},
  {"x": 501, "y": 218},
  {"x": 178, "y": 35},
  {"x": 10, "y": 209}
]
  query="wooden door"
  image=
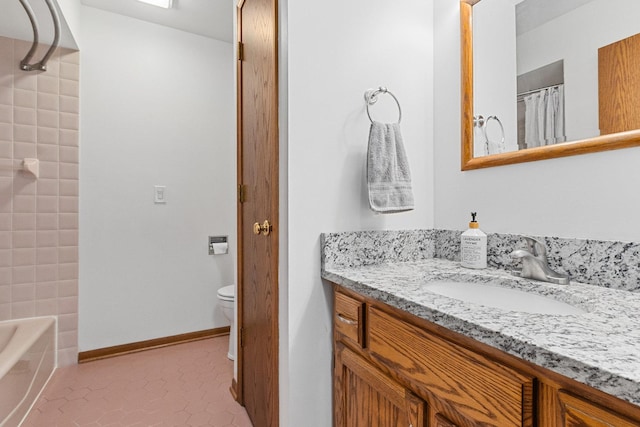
[
  {"x": 258, "y": 202},
  {"x": 619, "y": 86},
  {"x": 365, "y": 397}
]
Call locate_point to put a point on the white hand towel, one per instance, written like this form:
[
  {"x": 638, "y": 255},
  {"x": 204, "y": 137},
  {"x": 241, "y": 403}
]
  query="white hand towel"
[{"x": 388, "y": 174}]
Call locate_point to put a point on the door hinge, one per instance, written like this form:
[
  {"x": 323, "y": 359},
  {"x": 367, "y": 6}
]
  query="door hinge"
[
  {"x": 240, "y": 51},
  {"x": 242, "y": 193}
]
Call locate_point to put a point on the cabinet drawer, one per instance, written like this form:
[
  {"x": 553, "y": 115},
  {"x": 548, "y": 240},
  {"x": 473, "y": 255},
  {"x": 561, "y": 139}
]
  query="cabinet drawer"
[
  {"x": 461, "y": 381},
  {"x": 348, "y": 319}
]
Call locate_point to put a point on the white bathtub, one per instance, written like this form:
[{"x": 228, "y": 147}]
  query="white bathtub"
[{"x": 27, "y": 360}]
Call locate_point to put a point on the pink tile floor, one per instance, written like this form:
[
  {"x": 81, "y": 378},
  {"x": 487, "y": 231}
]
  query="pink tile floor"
[{"x": 180, "y": 385}]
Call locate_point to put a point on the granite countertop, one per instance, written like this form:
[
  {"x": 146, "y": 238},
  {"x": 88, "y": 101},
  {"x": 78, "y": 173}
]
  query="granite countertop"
[{"x": 599, "y": 348}]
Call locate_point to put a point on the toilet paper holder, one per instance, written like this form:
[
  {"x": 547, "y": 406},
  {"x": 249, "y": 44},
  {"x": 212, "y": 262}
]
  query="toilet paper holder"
[{"x": 218, "y": 245}]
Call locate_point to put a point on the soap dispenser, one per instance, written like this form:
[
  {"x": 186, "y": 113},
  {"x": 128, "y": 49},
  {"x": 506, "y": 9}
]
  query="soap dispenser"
[{"x": 473, "y": 246}]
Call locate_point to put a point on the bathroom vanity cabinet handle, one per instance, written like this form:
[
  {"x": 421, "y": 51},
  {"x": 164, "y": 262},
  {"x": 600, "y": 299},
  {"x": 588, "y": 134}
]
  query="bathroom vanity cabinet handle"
[
  {"x": 265, "y": 228},
  {"x": 345, "y": 320}
]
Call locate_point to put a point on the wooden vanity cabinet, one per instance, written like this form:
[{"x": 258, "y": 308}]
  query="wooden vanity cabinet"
[{"x": 395, "y": 370}]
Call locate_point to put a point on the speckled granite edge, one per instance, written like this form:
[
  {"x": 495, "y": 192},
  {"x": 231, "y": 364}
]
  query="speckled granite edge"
[
  {"x": 610, "y": 264},
  {"x": 355, "y": 249}
]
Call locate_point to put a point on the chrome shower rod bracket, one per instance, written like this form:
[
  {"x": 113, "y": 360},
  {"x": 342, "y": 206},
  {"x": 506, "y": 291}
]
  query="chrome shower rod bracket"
[{"x": 41, "y": 65}]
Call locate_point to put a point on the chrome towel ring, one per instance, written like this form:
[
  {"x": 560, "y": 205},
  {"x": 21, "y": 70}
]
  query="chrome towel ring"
[
  {"x": 371, "y": 97},
  {"x": 482, "y": 122}
]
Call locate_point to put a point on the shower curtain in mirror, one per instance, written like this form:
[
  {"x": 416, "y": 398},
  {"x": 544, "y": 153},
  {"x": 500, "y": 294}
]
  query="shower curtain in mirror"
[{"x": 544, "y": 117}]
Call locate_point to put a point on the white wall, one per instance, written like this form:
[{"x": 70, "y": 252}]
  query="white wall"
[
  {"x": 603, "y": 22},
  {"x": 494, "y": 72},
  {"x": 581, "y": 196},
  {"x": 336, "y": 51},
  {"x": 156, "y": 109}
]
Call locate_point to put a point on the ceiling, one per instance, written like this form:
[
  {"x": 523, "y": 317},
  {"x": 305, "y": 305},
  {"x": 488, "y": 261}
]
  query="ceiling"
[
  {"x": 208, "y": 18},
  {"x": 533, "y": 13}
]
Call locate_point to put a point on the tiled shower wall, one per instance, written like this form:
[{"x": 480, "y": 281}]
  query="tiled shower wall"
[{"x": 39, "y": 217}]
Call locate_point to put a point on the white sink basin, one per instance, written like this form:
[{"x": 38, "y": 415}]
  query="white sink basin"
[{"x": 502, "y": 298}]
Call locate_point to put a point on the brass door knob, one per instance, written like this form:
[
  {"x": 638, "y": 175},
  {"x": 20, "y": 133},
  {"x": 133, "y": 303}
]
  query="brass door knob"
[{"x": 264, "y": 228}]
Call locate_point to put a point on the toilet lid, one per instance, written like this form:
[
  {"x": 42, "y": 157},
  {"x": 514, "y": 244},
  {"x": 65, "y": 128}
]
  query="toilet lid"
[{"x": 227, "y": 292}]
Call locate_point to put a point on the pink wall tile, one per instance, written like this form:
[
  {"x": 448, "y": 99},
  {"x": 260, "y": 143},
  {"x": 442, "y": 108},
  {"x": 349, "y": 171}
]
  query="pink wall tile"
[
  {"x": 47, "y": 238},
  {"x": 26, "y": 292},
  {"x": 67, "y": 305},
  {"x": 21, "y": 274},
  {"x": 68, "y": 255},
  {"x": 49, "y": 169},
  {"x": 47, "y": 118},
  {"x": 68, "y": 288},
  {"x": 6, "y": 113},
  {"x": 68, "y": 238},
  {"x": 23, "y": 239},
  {"x": 5, "y": 294},
  {"x": 5, "y": 277},
  {"x": 46, "y": 273},
  {"x": 68, "y": 171},
  {"x": 68, "y": 271},
  {"x": 6, "y": 132},
  {"x": 5, "y": 257},
  {"x": 67, "y": 322},
  {"x": 6, "y": 150},
  {"x": 69, "y": 87},
  {"x": 24, "y": 221},
  {"x": 69, "y": 104},
  {"x": 24, "y": 203},
  {"x": 48, "y": 84},
  {"x": 23, "y": 184},
  {"x": 5, "y": 311},
  {"x": 68, "y": 187},
  {"x": 22, "y": 309},
  {"x": 24, "y": 149},
  {"x": 45, "y": 186},
  {"x": 47, "y": 256},
  {"x": 24, "y": 257},
  {"x": 68, "y": 204},
  {"x": 24, "y": 98},
  {"x": 46, "y": 290},
  {"x": 5, "y": 240},
  {"x": 47, "y": 307},
  {"x": 69, "y": 154},
  {"x": 24, "y": 116},
  {"x": 47, "y": 101},
  {"x": 47, "y": 204},
  {"x": 39, "y": 217},
  {"x": 46, "y": 221}
]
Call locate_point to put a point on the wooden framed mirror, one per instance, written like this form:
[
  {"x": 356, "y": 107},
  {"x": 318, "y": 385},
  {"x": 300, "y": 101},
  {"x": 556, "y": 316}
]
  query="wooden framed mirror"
[{"x": 610, "y": 102}]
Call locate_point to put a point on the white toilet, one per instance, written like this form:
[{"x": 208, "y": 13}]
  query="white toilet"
[{"x": 226, "y": 299}]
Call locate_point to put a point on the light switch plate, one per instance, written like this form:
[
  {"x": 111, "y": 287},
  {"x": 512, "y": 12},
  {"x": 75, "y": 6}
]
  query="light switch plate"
[{"x": 159, "y": 194}]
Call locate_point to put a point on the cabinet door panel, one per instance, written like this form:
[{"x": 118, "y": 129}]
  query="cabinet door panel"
[
  {"x": 365, "y": 397},
  {"x": 577, "y": 412},
  {"x": 452, "y": 374}
]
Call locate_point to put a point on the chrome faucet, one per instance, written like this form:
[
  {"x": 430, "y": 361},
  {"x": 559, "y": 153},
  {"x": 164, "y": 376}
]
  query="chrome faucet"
[{"x": 534, "y": 263}]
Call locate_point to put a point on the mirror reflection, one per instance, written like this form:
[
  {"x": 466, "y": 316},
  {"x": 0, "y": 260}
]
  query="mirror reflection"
[{"x": 550, "y": 71}]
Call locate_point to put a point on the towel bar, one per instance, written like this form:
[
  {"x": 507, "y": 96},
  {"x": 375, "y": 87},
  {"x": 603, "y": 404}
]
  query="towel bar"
[{"x": 371, "y": 97}]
